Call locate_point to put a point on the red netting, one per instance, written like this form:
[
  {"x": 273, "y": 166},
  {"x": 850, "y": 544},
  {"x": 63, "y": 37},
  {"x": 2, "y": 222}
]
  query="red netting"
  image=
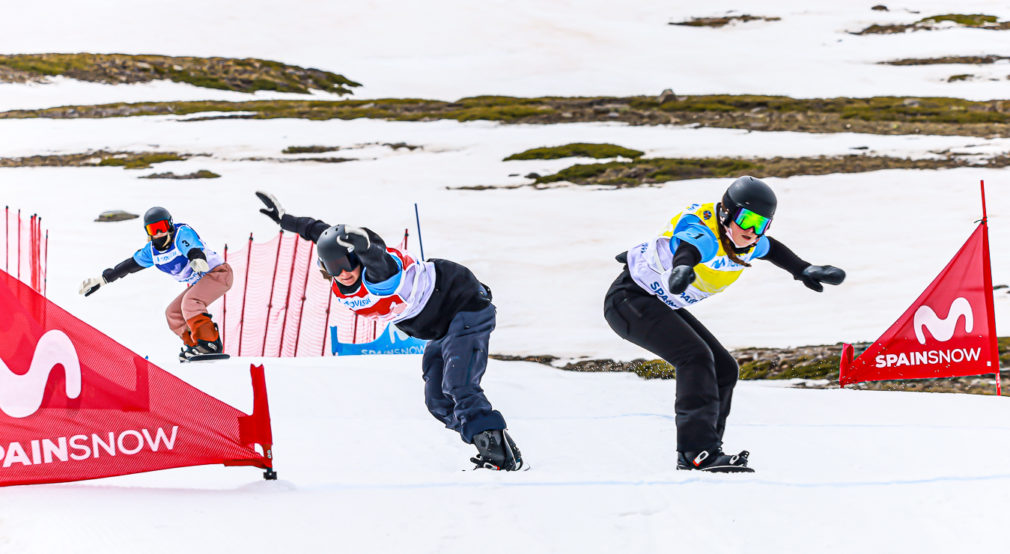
[{"x": 280, "y": 306}]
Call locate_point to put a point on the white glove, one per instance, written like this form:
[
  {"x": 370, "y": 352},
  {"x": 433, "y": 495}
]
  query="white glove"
[
  {"x": 91, "y": 285},
  {"x": 199, "y": 265}
]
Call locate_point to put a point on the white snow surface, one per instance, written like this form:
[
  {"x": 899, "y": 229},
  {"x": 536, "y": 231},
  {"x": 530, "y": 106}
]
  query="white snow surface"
[
  {"x": 363, "y": 466},
  {"x": 449, "y": 49}
]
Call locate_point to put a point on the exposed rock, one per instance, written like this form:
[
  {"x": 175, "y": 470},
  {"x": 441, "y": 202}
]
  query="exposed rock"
[
  {"x": 115, "y": 215},
  {"x": 667, "y": 96}
]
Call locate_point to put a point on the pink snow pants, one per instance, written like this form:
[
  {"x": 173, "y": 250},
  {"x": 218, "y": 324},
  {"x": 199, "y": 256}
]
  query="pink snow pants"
[{"x": 194, "y": 300}]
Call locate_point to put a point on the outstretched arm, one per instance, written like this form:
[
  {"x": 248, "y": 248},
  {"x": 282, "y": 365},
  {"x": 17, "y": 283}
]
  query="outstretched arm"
[
  {"x": 812, "y": 275},
  {"x": 308, "y": 228},
  {"x": 122, "y": 269}
]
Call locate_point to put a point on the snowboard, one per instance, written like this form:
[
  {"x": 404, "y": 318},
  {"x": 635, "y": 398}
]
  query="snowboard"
[{"x": 206, "y": 358}]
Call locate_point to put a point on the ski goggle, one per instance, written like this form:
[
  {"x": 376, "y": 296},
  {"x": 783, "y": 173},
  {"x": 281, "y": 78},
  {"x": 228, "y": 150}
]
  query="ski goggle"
[
  {"x": 163, "y": 226},
  {"x": 747, "y": 219},
  {"x": 335, "y": 266}
]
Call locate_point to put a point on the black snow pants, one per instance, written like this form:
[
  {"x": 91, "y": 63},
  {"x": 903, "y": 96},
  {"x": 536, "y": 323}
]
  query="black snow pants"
[
  {"x": 706, "y": 372},
  {"x": 453, "y": 367}
]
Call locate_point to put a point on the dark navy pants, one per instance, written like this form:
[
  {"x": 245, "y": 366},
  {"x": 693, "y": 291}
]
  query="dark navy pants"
[{"x": 453, "y": 367}]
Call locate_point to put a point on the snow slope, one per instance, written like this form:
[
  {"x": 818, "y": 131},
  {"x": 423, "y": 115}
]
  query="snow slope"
[{"x": 364, "y": 468}]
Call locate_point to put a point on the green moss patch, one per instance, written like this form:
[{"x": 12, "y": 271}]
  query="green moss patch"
[
  {"x": 201, "y": 174},
  {"x": 660, "y": 170},
  {"x": 97, "y": 158},
  {"x": 722, "y": 21},
  {"x": 977, "y": 21},
  {"x": 812, "y": 366},
  {"x": 140, "y": 160},
  {"x": 576, "y": 150},
  {"x": 315, "y": 149},
  {"x": 877, "y": 115},
  {"x": 949, "y": 60},
  {"x": 238, "y": 74}
]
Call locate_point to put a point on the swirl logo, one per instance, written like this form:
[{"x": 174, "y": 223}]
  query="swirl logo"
[
  {"x": 943, "y": 329},
  {"x": 21, "y": 395}
]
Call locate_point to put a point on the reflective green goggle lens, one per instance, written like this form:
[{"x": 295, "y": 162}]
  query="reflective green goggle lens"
[{"x": 747, "y": 219}]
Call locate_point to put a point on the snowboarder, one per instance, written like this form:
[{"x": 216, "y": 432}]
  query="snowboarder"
[
  {"x": 176, "y": 249},
  {"x": 703, "y": 250},
  {"x": 435, "y": 300}
]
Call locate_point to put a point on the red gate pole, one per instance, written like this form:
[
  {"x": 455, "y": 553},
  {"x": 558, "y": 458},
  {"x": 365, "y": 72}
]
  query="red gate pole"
[
  {"x": 326, "y": 320},
  {"x": 19, "y": 244},
  {"x": 287, "y": 299},
  {"x": 224, "y": 304},
  {"x": 45, "y": 278},
  {"x": 7, "y": 239},
  {"x": 245, "y": 289},
  {"x": 301, "y": 306},
  {"x": 270, "y": 301},
  {"x": 33, "y": 256},
  {"x": 354, "y": 335}
]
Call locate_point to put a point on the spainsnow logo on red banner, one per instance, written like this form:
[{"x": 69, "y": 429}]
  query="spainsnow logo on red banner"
[
  {"x": 948, "y": 331},
  {"x": 74, "y": 404}
]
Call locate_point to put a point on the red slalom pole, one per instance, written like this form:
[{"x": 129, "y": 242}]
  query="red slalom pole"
[
  {"x": 270, "y": 301},
  {"x": 224, "y": 304},
  {"x": 287, "y": 299},
  {"x": 301, "y": 305},
  {"x": 45, "y": 263},
  {"x": 245, "y": 288},
  {"x": 326, "y": 320}
]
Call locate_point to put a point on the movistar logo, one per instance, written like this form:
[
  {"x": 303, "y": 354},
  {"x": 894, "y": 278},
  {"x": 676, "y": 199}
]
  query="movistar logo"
[
  {"x": 21, "y": 395},
  {"x": 360, "y": 303},
  {"x": 942, "y": 329}
]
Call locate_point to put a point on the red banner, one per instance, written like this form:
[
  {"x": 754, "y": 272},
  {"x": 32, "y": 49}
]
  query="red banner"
[
  {"x": 74, "y": 404},
  {"x": 949, "y": 331}
]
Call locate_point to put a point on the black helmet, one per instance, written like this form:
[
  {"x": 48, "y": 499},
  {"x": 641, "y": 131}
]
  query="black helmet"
[
  {"x": 747, "y": 193},
  {"x": 332, "y": 255},
  {"x": 153, "y": 219}
]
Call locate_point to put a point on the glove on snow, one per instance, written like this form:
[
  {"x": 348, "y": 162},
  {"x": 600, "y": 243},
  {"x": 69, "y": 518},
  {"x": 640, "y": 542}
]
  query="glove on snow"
[
  {"x": 199, "y": 265},
  {"x": 814, "y": 275},
  {"x": 680, "y": 277},
  {"x": 91, "y": 285},
  {"x": 273, "y": 209}
]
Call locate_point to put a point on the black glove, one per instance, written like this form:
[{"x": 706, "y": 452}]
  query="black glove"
[
  {"x": 354, "y": 239},
  {"x": 680, "y": 278},
  {"x": 273, "y": 209},
  {"x": 814, "y": 275}
]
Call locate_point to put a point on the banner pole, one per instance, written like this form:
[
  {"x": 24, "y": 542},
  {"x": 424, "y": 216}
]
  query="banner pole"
[{"x": 990, "y": 303}]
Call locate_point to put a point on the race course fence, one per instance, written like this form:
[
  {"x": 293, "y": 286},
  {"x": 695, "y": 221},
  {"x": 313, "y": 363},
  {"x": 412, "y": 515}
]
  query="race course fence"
[{"x": 281, "y": 306}]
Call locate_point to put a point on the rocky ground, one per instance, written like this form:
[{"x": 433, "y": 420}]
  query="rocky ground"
[
  {"x": 243, "y": 75},
  {"x": 875, "y": 115},
  {"x": 806, "y": 366}
]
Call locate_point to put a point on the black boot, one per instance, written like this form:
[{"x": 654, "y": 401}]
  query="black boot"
[
  {"x": 208, "y": 346},
  {"x": 715, "y": 461},
  {"x": 496, "y": 450}
]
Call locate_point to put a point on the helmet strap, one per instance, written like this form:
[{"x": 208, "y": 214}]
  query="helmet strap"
[{"x": 731, "y": 249}]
